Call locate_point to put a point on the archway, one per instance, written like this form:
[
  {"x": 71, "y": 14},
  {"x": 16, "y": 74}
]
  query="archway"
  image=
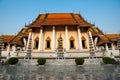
[
  {"x": 84, "y": 42},
  {"x": 48, "y": 43},
  {"x": 36, "y": 43},
  {"x": 72, "y": 42}
]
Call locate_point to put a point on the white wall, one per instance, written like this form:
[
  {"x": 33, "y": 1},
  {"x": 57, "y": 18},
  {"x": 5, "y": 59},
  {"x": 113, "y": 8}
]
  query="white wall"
[
  {"x": 75, "y": 36},
  {"x": 46, "y": 35},
  {"x": 60, "y": 30}
]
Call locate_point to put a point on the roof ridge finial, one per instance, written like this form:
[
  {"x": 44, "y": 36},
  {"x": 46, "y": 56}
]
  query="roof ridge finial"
[
  {"x": 94, "y": 23},
  {"x": 89, "y": 21},
  {"x": 32, "y": 20},
  {"x": 39, "y": 11},
  {"x": 46, "y": 12},
  {"x": 86, "y": 19},
  {"x": 72, "y": 11},
  {"x": 78, "y": 12},
  {"x": 25, "y": 24}
]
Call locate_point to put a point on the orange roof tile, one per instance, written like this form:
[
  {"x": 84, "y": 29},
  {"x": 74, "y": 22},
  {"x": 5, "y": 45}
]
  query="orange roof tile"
[
  {"x": 103, "y": 39},
  {"x": 113, "y": 37},
  {"x": 17, "y": 41},
  {"x": 8, "y": 38},
  {"x": 60, "y": 19},
  {"x": 107, "y": 38},
  {"x": 23, "y": 32},
  {"x": 95, "y": 31}
]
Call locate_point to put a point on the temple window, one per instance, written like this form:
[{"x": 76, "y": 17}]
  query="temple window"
[
  {"x": 84, "y": 43},
  {"x": 48, "y": 44},
  {"x": 36, "y": 43},
  {"x": 72, "y": 45},
  {"x": 48, "y": 41}
]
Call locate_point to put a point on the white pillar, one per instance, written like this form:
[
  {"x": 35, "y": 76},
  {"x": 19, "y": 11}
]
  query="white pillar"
[
  {"x": 25, "y": 43},
  {"x": 8, "y": 48},
  {"x": 53, "y": 38},
  {"x": 79, "y": 39},
  {"x": 66, "y": 37},
  {"x": 106, "y": 47},
  {"x": 40, "y": 40},
  {"x": 13, "y": 48},
  {"x": 32, "y": 40},
  {"x": 112, "y": 46},
  {"x": 95, "y": 42}
]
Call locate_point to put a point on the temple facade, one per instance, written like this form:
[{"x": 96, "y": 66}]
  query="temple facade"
[
  {"x": 46, "y": 30},
  {"x": 66, "y": 32}
]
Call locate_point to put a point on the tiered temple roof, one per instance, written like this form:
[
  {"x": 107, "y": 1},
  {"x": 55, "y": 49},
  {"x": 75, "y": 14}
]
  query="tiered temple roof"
[
  {"x": 108, "y": 38},
  {"x": 60, "y": 19},
  {"x": 103, "y": 38},
  {"x": 95, "y": 31},
  {"x": 113, "y": 37},
  {"x": 8, "y": 38}
]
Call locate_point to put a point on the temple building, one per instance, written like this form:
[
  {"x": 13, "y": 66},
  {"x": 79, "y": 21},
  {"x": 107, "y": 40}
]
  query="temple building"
[
  {"x": 47, "y": 28},
  {"x": 77, "y": 36}
]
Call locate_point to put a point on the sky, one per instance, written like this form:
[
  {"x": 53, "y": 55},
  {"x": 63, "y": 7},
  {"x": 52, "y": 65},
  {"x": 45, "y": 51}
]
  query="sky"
[{"x": 14, "y": 14}]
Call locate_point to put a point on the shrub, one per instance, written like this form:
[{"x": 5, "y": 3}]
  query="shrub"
[
  {"x": 41, "y": 61},
  {"x": 79, "y": 61},
  {"x": 107, "y": 60},
  {"x": 12, "y": 60}
]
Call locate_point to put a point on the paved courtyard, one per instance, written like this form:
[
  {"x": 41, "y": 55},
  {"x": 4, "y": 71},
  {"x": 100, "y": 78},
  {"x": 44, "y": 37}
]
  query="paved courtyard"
[{"x": 28, "y": 71}]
